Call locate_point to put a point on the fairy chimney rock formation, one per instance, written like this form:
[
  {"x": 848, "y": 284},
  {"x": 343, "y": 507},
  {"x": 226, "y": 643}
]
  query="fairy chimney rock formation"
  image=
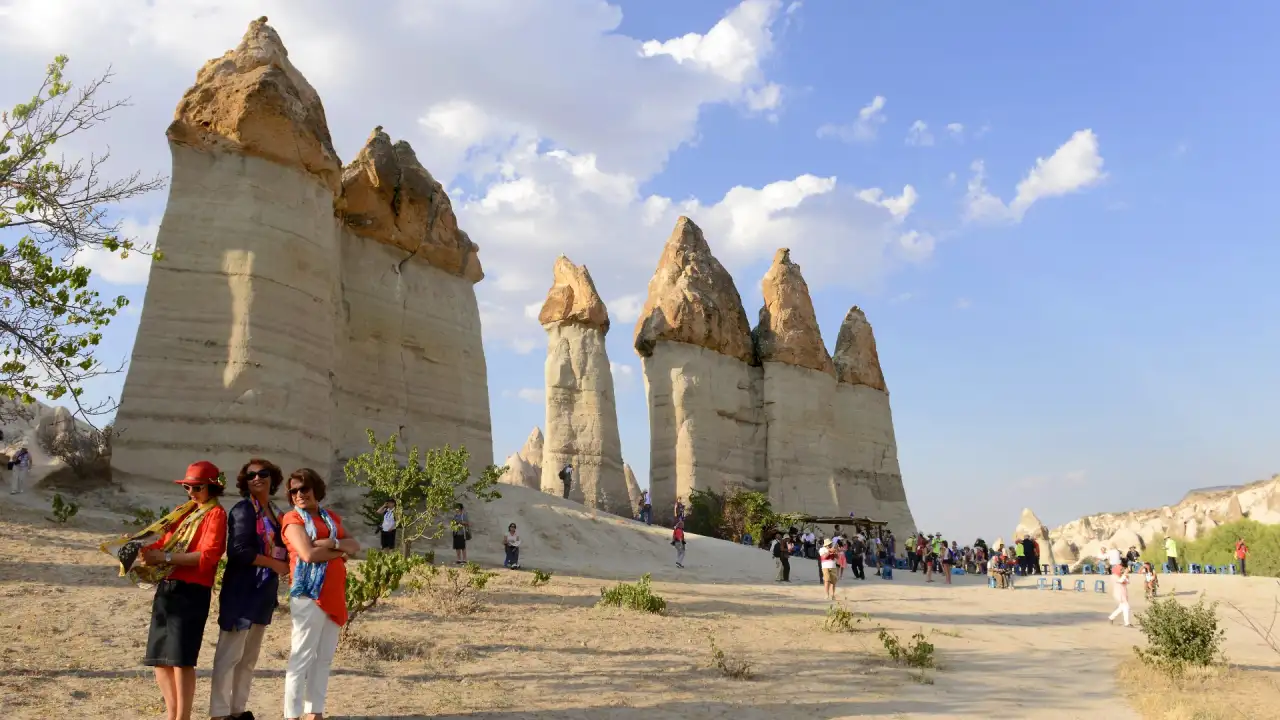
[
  {"x": 582, "y": 416},
  {"x": 788, "y": 330},
  {"x": 633, "y": 488},
  {"x": 856, "y": 360},
  {"x": 706, "y": 422},
  {"x": 524, "y": 468},
  {"x": 692, "y": 300},
  {"x": 298, "y": 303},
  {"x": 253, "y": 101}
]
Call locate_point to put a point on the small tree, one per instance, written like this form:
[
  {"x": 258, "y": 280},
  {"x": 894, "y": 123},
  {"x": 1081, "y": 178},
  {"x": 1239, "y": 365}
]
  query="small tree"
[
  {"x": 87, "y": 452},
  {"x": 424, "y": 488},
  {"x": 50, "y": 321}
]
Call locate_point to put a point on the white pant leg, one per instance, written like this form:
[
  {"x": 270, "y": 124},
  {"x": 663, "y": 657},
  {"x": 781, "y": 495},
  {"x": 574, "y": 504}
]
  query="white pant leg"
[
  {"x": 318, "y": 676},
  {"x": 13, "y": 481},
  {"x": 308, "y": 625},
  {"x": 243, "y": 679},
  {"x": 225, "y": 658},
  {"x": 680, "y": 553}
]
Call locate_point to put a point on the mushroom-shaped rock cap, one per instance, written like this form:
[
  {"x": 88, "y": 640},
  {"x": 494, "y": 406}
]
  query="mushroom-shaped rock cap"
[
  {"x": 856, "y": 359},
  {"x": 692, "y": 299},
  {"x": 252, "y": 100},
  {"x": 1029, "y": 524},
  {"x": 388, "y": 196},
  {"x": 573, "y": 298},
  {"x": 788, "y": 329}
]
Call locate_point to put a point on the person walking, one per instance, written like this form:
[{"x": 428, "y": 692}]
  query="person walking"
[
  {"x": 461, "y": 533},
  {"x": 857, "y": 551},
  {"x": 1171, "y": 553},
  {"x": 388, "y": 529},
  {"x": 778, "y": 547},
  {"x": 1242, "y": 551},
  {"x": 511, "y": 548},
  {"x": 566, "y": 479},
  {"x": 646, "y": 508},
  {"x": 827, "y": 565},
  {"x": 183, "y": 564},
  {"x": 318, "y": 548},
  {"x": 677, "y": 540},
  {"x": 20, "y": 470},
  {"x": 256, "y": 558},
  {"x": 948, "y": 559},
  {"x": 1122, "y": 597}
]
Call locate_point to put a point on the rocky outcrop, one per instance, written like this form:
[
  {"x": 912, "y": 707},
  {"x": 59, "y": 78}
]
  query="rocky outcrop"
[
  {"x": 799, "y": 394},
  {"x": 1030, "y": 525},
  {"x": 582, "y": 416},
  {"x": 1194, "y": 517},
  {"x": 524, "y": 468},
  {"x": 865, "y": 457},
  {"x": 633, "y": 489},
  {"x": 298, "y": 303},
  {"x": 706, "y": 418},
  {"x": 780, "y": 414}
]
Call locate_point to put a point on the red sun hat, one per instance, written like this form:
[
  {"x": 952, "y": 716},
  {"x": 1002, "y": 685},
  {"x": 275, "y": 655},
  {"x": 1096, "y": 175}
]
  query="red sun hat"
[{"x": 200, "y": 473}]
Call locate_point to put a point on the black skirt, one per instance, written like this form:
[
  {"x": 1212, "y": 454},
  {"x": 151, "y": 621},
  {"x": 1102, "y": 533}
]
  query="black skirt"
[
  {"x": 178, "y": 615},
  {"x": 459, "y": 541}
]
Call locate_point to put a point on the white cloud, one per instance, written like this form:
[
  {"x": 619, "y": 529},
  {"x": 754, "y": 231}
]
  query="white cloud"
[
  {"x": 534, "y": 396},
  {"x": 1072, "y": 478},
  {"x": 1074, "y": 166},
  {"x": 918, "y": 134},
  {"x": 627, "y": 308},
  {"x": 963, "y": 303},
  {"x": 916, "y": 246},
  {"x": 956, "y": 130},
  {"x": 951, "y": 179},
  {"x": 899, "y": 207},
  {"x": 109, "y": 266},
  {"x": 864, "y": 129},
  {"x": 623, "y": 374}
]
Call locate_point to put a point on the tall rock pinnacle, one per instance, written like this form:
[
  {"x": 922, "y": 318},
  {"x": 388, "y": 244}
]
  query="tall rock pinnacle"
[
  {"x": 788, "y": 329},
  {"x": 692, "y": 299},
  {"x": 855, "y": 358},
  {"x": 573, "y": 298},
  {"x": 388, "y": 196},
  {"x": 252, "y": 100}
]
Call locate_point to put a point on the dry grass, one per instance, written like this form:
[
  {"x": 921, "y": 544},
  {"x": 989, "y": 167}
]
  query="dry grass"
[{"x": 1216, "y": 693}]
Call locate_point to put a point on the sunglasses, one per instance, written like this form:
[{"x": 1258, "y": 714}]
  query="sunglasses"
[
  {"x": 194, "y": 488},
  {"x": 298, "y": 490},
  {"x": 260, "y": 475}
]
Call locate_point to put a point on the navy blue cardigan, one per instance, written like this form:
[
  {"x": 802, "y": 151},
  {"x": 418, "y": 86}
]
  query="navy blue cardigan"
[{"x": 241, "y": 602}]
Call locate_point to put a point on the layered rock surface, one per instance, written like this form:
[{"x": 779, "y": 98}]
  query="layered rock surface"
[
  {"x": 1191, "y": 518},
  {"x": 524, "y": 468},
  {"x": 275, "y": 327},
  {"x": 582, "y": 416},
  {"x": 779, "y": 414},
  {"x": 633, "y": 488},
  {"x": 705, "y": 392}
]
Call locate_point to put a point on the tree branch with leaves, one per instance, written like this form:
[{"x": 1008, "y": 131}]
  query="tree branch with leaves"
[
  {"x": 51, "y": 210},
  {"x": 424, "y": 486}
]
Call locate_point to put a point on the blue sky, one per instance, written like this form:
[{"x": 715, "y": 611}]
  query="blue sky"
[{"x": 1105, "y": 348}]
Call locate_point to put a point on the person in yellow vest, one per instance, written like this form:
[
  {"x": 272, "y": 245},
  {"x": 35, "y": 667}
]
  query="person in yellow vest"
[
  {"x": 1020, "y": 552},
  {"x": 1171, "y": 551}
]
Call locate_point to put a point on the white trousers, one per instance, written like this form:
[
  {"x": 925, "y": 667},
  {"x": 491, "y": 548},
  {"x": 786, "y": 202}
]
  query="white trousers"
[
  {"x": 1122, "y": 598},
  {"x": 233, "y": 664},
  {"x": 306, "y": 677},
  {"x": 17, "y": 477},
  {"x": 679, "y": 553}
]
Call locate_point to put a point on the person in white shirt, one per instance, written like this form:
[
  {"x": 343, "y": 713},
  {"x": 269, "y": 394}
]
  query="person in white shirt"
[
  {"x": 829, "y": 565},
  {"x": 646, "y": 508},
  {"x": 389, "y": 525},
  {"x": 511, "y": 545},
  {"x": 19, "y": 471},
  {"x": 1112, "y": 558}
]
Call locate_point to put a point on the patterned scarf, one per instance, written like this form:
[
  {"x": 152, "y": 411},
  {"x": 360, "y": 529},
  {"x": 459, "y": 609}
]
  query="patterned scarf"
[
  {"x": 266, "y": 528},
  {"x": 126, "y": 549},
  {"x": 308, "y": 577}
]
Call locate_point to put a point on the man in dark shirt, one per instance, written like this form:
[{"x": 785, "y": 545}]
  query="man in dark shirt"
[{"x": 566, "y": 479}]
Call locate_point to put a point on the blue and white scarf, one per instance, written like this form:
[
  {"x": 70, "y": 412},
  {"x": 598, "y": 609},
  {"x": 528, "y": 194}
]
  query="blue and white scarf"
[{"x": 308, "y": 577}]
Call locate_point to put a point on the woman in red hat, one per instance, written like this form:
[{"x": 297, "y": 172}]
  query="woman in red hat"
[{"x": 185, "y": 559}]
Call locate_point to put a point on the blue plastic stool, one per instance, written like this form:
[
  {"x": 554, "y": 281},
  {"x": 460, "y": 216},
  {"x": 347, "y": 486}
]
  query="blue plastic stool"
[
  {"x": 1102, "y": 569},
  {"x": 1210, "y": 570},
  {"x": 1087, "y": 568},
  {"x": 1166, "y": 568},
  {"x": 886, "y": 573},
  {"x": 1041, "y": 584},
  {"x": 1064, "y": 569},
  {"x": 1079, "y": 586},
  {"x": 1232, "y": 567},
  {"x": 1100, "y": 586},
  {"x": 957, "y": 571},
  {"x": 1195, "y": 568},
  {"x": 1135, "y": 567},
  {"x": 991, "y": 581},
  {"x": 1055, "y": 584}
]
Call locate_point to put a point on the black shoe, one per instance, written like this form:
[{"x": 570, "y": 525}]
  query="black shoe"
[{"x": 246, "y": 715}]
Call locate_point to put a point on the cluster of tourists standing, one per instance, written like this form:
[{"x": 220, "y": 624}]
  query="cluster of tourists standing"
[{"x": 307, "y": 544}]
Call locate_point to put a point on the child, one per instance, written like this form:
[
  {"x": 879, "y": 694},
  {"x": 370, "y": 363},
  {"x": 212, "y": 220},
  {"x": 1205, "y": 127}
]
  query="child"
[
  {"x": 1151, "y": 582},
  {"x": 677, "y": 540}
]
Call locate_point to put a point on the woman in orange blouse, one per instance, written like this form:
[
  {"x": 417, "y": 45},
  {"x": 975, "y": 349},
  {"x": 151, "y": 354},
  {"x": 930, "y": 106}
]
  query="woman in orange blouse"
[{"x": 186, "y": 556}]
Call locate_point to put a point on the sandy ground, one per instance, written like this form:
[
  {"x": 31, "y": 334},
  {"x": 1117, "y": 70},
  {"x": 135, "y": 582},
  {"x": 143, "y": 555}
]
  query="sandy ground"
[{"x": 71, "y": 633}]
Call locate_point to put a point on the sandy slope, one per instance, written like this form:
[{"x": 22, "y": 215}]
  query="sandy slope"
[{"x": 71, "y": 634}]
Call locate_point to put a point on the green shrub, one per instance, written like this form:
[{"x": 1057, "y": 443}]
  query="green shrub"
[
  {"x": 142, "y": 517},
  {"x": 729, "y": 666},
  {"x": 376, "y": 577},
  {"x": 63, "y": 510},
  {"x": 918, "y": 654},
  {"x": 841, "y": 619},
  {"x": 540, "y": 577},
  {"x": 1180, "y": 635},
  {"x": 633, "y": 596},
  {"x": 1219, "y": 548},
  {"x": 452, "y": 592}
]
